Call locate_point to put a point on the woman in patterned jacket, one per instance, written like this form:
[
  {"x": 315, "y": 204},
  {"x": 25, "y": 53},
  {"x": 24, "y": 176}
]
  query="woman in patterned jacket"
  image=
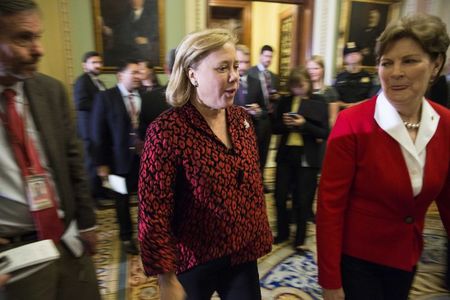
[{"x": 202, "y": 215}]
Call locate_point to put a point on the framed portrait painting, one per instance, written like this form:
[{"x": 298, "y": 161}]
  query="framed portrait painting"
[
  {"x": 129, "y": 29},
  {"x": 366, "y": 20}
]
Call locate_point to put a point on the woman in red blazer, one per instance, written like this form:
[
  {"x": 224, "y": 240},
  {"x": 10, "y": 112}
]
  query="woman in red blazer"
[{"x": 387, "y": 160}]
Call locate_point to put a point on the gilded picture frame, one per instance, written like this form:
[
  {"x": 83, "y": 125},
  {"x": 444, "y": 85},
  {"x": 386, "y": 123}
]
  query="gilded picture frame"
[{"x": 362, "y": 21}]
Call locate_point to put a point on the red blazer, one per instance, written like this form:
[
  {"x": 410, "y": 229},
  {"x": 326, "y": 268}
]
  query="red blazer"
[{"x": 366, "y": 207}]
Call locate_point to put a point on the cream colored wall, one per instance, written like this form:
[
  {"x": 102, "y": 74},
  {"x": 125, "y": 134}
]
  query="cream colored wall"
[
  {"x": 266, "y": 29},
  {"x": 54, "y": 61}
]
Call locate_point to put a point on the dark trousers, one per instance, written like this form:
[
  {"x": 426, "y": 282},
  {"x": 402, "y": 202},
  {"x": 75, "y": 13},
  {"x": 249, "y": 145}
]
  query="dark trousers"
[
  {"x": 122, "y": 202},
  {"x": 67, "y": 278},
  {"x": 95, "y": 183},
  {"x": 302, "y": 181},
  {"x": 303, "y": 208},
  {"x": 231, "y": 282},
  {"x": 369, "y": 281}
]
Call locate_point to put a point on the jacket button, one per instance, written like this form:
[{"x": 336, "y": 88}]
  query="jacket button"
[{"x": 409, "y": 220}]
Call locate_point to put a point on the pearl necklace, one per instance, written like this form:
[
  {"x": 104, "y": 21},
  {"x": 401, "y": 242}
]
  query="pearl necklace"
[{"x": 409, "y": 125}]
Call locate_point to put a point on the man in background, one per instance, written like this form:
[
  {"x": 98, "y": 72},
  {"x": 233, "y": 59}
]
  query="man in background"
[
  {"x": 354, "y": 84},
  {"x": 269, "y": 85},
  {"x": 117, "y": 147},
  {"x": 367, "y": 38},
  {"x": 86, "y": 87},
  {"x": 40, "y": 146},
  {"x": 251, "y": 97}
]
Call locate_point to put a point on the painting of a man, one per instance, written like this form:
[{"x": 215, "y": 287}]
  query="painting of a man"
[
  {"x": 130, "y": 30},
  {"x": 367, "y": 22}
]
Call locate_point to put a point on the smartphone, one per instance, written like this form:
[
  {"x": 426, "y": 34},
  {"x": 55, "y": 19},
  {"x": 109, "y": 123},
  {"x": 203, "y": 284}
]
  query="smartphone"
[{"x": 292, "y": 114}]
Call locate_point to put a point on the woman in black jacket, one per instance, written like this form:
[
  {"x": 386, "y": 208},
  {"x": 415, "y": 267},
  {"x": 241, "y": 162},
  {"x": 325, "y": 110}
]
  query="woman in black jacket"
[{"x": 302, "y": 121}]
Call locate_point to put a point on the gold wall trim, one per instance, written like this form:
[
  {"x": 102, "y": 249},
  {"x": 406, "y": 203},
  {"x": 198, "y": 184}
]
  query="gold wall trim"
[{"x": 66, "y": 38}]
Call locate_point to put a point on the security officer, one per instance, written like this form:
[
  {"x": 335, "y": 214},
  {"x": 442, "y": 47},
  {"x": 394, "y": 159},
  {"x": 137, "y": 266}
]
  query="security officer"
[{"x": 353, "y": 84}]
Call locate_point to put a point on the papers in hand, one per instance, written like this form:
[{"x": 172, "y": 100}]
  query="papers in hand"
[
  {"x": 116, "y": 183},
  {"x": 71, "y": 239},
  {"x": 24, "y": 257}
]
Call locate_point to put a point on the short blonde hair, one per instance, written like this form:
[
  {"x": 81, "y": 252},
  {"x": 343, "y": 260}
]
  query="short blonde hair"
[
  {"x": 427, "y": 30},
  {"x": 192, "y": 49},
  {"x": 242, "y": 48}
]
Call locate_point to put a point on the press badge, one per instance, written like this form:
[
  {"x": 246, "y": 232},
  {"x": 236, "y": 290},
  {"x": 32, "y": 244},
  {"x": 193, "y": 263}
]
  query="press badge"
[{"x": 38, "y": 192}]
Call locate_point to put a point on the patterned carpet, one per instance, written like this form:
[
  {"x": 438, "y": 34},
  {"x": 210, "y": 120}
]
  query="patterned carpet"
[{"x": 284, "y": 274}]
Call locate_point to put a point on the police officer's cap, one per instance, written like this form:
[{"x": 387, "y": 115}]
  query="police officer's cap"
[{"x": 351, "y": 47}]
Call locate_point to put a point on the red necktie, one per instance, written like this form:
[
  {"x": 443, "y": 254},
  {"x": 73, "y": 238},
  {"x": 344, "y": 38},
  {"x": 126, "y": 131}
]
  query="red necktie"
[{"x": 48, "y": 224}]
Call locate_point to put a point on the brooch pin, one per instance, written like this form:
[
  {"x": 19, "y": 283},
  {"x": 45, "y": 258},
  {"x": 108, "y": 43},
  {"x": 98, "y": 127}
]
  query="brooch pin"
[{"x": 246, "y": 125}]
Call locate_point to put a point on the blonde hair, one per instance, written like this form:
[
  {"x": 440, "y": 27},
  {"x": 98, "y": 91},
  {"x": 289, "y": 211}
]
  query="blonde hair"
[
  {"x": 193, "y": 49},
  {"x": 242, "y": 48},
  {"x": 318, "y": 60},
  {"x": 428, "y": 31}
]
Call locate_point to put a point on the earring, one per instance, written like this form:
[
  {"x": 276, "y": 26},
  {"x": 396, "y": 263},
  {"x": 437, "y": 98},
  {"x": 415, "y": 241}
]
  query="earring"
[{"x": 195, "y": 83}]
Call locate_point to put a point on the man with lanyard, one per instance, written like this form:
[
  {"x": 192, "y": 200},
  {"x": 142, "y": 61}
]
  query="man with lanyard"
[{"x": 44, "y": 189}]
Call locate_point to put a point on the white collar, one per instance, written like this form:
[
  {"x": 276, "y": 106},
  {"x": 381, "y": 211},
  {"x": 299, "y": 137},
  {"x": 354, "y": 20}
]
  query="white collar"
[
  {"x": 390, "y": 121},
  {"x": 137, "y": 13},
  {"x": 261, "y": 67},
  {"x": 18, "y": 87},
  {"x": 125, "y": 93}
]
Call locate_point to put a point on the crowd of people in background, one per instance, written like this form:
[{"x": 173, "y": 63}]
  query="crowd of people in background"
[{"x": 195, "y": 151}]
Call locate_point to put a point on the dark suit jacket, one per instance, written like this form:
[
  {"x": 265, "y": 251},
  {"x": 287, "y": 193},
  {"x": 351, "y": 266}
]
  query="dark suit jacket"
[
  {"x": 439, "y": 92},
  {"x": 111, "y": 128},
  {"x": 152, "y": 106},
  {"x": 254, "y": 72},
  {"x": 126, "y": 31},
  {"x": 51, "y": 113},
  {"x": 366, "y": 206},
  {"x": 84, "y": 92},
  {"x": 315, "y": 111}
]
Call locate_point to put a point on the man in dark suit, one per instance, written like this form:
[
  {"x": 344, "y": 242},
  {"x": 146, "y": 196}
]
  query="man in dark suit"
[
  {"x": 117, "y": 146},
  {"x": 250, "y": 96},
  {"x": 39, "y": 144},
  {"x": 269, "y": 85},
  {"x": 86, "y": 87}
]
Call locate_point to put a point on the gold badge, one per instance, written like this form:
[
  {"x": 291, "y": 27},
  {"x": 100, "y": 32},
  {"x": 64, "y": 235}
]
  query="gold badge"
[{"x": 365, "y": 80}]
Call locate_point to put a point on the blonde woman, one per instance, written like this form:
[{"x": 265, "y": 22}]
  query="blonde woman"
[
  {"x": 316, "y": 70},
  {"x": 202, "y": 215}
]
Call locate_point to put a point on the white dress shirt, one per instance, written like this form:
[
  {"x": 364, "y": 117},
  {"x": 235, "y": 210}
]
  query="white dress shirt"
[
  {"x": 414, "y": 154},
  {"x": 136, "y": 98}
]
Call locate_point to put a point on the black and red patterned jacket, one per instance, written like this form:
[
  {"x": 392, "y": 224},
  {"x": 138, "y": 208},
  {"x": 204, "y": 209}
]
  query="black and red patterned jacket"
[{"x": 199, "y": 200}]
